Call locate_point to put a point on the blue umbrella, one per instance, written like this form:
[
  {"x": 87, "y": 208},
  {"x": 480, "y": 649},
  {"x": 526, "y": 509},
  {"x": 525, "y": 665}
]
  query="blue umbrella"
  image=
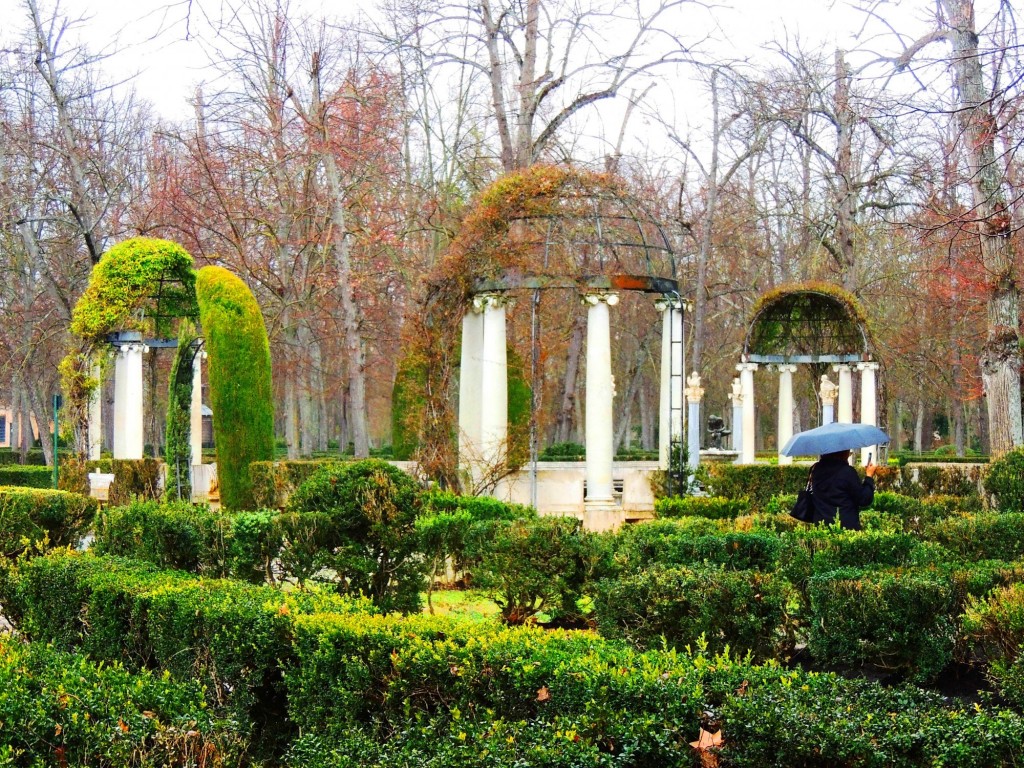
[{"x": 833, "y": 437}]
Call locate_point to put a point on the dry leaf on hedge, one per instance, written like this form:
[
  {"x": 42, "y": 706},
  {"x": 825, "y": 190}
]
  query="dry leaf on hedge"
[
  {"x": 707, "y": 746},
  {"x": 543, "y": 694}
]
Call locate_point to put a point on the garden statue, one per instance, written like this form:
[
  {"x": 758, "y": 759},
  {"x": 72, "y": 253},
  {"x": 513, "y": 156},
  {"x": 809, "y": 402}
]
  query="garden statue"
[{"x": 717, "y": 430}]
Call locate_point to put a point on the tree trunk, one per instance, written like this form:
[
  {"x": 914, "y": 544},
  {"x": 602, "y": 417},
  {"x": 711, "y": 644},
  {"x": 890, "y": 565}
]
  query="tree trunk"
[
  {"x": 567, "y": 410},
  {"x": 1000, "y": 359},
  {"x": 846, "y": 199}
]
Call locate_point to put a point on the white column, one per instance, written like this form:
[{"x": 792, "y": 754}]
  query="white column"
[
  {"x": 493, "y": 383},
  {"x": 747, "y": 390},
  {"x": 96, "y": 413},
  {"x": 828, "y": 400},
  {"x": 694, "y": 393},
  {"x": 469, "y": 383},
  {"x": 671, "y": 405},
  {"x": 737, "y": 415},
  {"x": 196, "y": 409},
  {"x": 785, "y": 409},
  {"x": 845, "y": 415},
  {"x": 868, "y": 405},
  {"x": 599, "y": 428},
  {"x": 128, "y": 413}
]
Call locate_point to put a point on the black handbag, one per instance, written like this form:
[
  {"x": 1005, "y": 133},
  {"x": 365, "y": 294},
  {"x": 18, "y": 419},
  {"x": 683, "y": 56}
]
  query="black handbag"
[{"x": 803, "y": 510}]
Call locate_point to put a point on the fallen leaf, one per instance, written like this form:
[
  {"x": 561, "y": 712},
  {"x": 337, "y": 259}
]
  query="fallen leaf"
[
  {"x": 707, "y": 746},
  {"x": 122, "y": 725},
  {"x": 543, "y": 694},
  {"x": 743, "y": 688}
]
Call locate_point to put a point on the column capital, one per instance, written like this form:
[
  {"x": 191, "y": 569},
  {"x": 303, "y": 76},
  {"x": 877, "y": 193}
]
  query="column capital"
[
  {"x": 673, "y": 302},
  {"x": 842, "y": 367},
  {"x": 868, "y": 366},
  {"x": 593, "y": 298},
  {"x": 484, "y": 301},
  {"x": 694, "y": 391},
  {"x": 786, "y": 368},
  {"x": 126, "y": 349},
  {"x": 745, "y": 367}
]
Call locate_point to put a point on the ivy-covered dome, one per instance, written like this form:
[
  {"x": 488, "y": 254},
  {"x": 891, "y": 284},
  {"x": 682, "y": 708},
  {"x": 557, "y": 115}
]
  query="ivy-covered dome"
[
  {"x": 807, "y": 323},
  {"x": 142, "y": 284}
]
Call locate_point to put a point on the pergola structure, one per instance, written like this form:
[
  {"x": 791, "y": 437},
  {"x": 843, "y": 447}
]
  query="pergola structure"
[{"x": 810, "y": 324}]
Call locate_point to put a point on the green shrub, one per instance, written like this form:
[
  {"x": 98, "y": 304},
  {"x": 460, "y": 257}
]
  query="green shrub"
[
  {"x": 178, "y": 443},
  {"x": 949, "y": 481},
  {"x": 134, "y": 479},
  {"x": 529, "y": 566},
  {"x": 980, "y": 537},
  {"x": 27, "y": 516},
  {"x": 564, "y": 452},
  {"x": 26, "y": 476},
  {"x": 480, "y": 508},
  {"x": 171, "y": 535},
  {"x": 996, "y": 626},
  {"x": 666, "y": 543},
  {"x": 62, "y": 709},
  {"x": 1005, "y": 481},
  {"x": 715, "y": 507},
  {"x": 758, "y": 483},
  {"x": 273, "y": 482},
  {"x": 256, "y": 540},
  {"x": 742, "y": 610},
  {"x": 895, "y": 619},
  {"x": 373, "y": 508},
  {"x": 241, "y": 394}
]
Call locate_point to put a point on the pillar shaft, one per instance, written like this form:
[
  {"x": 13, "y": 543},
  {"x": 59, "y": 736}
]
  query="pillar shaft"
[
  {"x": 845, "y": 415},
  {"x": 828, "y": 413},
  {"x": 868, "y": 405},
  {"x": 785, "y": 409},
  {"x": 469, "y": 385},
  {"x": 599, "y": 428},
  {"x": 747, "y": 451},
  {"x": 671, "y": 406},
  {"x": 736, "y": 397},
  {"x": 128, "y": 404},
  {"x": 196, "y": 410},
  {"x": 494, "y": 384},
  {"x": 96, "y": 414}
]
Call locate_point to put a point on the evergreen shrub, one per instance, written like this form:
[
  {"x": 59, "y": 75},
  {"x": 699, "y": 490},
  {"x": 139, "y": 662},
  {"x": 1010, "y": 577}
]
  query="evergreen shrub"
[
  {"x": 241, "y": 394},
  {"x": 758, "y": 483},
  {"x": 995, "y": 625},
  {"x": 1005, "y": 481},
  {"x": 897, "y": 619},
  {"x": 27, "y": 516},
  {"x": 273, "y": 482},
  {"x": 26, "y": 476},
  {"x": 980, "y": 537},
  {"x": 667, "y": 543},
  {"x": 745, "y": 611},
  {"x": 134, "y": 479},
  {"x": 715, "y": 507}
]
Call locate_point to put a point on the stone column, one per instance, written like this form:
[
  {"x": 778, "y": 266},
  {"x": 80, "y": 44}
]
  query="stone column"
[
  {"x": 469, "y": 383},
  {"x": 737, "y": 415},
  {"x": 128, "y": 406},
  {"x": 785, "y": 409},
  {"x": 196, "y": 409},
  {"x": 694, "y": 393},
  {"x": 828, "y": 400},
  {"x": 671, "y": 406},
  {"x": 747, "y": 390},
  {"x": 96, "y": 413},
  {"x": 868, "y": 405},
  {"x": 845, "y": 414},
  {"x": 598, "y": 417},
  {"x": 493, "y": 383}
]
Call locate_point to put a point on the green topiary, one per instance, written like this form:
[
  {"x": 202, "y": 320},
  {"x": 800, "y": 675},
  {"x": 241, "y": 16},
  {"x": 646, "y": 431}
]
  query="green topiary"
[
  {"x": 373, "y": 508},
  {"x": 241, "y": 393},
  {"x": 1005, "y": 480}
]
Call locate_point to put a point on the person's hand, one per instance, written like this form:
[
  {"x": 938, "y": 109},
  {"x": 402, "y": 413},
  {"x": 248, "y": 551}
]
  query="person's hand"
[{"x": 870, "y": 470}]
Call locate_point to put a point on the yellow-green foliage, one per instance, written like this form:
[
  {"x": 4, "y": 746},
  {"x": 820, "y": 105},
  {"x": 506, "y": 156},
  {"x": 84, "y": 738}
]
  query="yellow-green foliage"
[
  {"x": 241, "y": 394},
  {"x": 141, "y": 273}
]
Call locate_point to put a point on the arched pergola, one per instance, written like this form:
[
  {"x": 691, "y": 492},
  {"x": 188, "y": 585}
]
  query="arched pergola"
[{"x": 814, "y": 324}]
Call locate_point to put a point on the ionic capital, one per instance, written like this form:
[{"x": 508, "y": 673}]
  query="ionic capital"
[
  {"x": 746, "y": 367},
  {"x": 868, "y": 366},
  {"x": 593, "y": 298},
  {"x": 786, "y": 368},
  {"x": 484, "y": 301}
]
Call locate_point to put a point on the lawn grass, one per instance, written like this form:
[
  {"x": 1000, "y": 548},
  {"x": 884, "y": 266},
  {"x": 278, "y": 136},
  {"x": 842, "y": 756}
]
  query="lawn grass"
[{"x": 470, "y": 603}]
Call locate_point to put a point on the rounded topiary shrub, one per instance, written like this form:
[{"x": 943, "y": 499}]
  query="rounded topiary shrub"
[
  {"x": 241, "y": 394},
  {"x": 373, "y": 508},
  {"x": 1005, "y": 480}
]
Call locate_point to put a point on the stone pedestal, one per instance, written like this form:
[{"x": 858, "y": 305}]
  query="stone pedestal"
[
  {"x": 196, "y": 410},
  {"x": 694, "y": 394},
  {"x": 96, "y": 414},
  {"x": 736, "y": 398},
  {"x": 785, "y": 431},
  {"x": 828, "y": 400},
  {"x": 599, "y": 428},
  {"x": 128, "y": 406},
  {"x": 845, "y": 415}
]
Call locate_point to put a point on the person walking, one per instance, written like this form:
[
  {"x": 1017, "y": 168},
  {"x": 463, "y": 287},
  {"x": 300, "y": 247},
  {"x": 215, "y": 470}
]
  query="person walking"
[{"x": 838, "y": 490}]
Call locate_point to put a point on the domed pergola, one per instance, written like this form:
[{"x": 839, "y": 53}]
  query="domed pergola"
[{"x": 815, "y": 324}]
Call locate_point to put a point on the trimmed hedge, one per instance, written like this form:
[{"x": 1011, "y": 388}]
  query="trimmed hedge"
[
  {"x": 900, "y": 619},
  {"x": 273, "y": 482},
  {"x": 980, "y": 537},
  {"x": 996, "y": 627},
  {"x": 134, "y": 479},
  {"x": 670, "y": 543},
  {"x": 62, "y": 709},
  {"x": 715, "y": 507},
  {"x": 26, "y": 476},
  {"x": 741, "y": 610},
  {"x": 1005, "y": 481},
  {"x": 29, "y": 515},
  {"x": 757, "y": 483},
  {"x": 241, "y": 394}
]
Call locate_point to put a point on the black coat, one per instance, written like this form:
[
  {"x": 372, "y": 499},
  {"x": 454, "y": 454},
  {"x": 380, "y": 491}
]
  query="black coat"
[{"x": 838, "y": 488}]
